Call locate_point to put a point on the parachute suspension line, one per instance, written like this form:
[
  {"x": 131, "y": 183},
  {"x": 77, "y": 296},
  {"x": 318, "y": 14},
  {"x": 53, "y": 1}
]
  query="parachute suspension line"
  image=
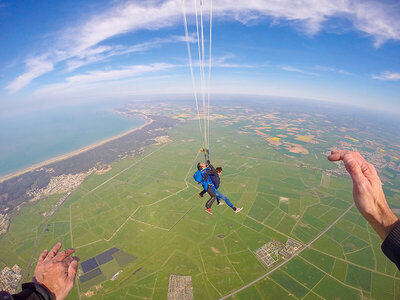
[
  {"x": 201, "y": 68},
  {"x": 203, "y": 92},
  {"x": 191, "y": 65},
  {"x": 209, "y": 77},
  {"x": 205, "y": 112}
]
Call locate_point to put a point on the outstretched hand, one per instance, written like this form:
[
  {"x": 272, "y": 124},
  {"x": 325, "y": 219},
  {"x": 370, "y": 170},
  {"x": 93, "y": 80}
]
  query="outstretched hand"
[
  {"x": 57, "y": 271},
  {"x": 367, "y": 191}
]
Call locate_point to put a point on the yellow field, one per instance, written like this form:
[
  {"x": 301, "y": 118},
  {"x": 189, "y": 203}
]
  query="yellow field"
[
  {"x": 275, "y": 138},
  {"x": 350, "y": 138}
]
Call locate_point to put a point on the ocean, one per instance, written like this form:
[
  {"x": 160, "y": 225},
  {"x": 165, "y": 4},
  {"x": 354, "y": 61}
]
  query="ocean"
[{"x": 29, "y": 138}]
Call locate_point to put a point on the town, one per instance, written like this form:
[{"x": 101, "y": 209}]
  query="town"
[
  {"x": 10, "y": 278},
  {"x": 180, "y": 287},
  {"x": 274, "y": 248}
]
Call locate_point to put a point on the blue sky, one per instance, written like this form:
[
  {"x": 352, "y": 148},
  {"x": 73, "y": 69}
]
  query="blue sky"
[{"x": 65, "y": 51}]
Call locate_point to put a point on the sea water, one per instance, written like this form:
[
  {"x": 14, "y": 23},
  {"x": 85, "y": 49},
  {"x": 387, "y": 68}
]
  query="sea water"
[{"x": 29, "y": 138}]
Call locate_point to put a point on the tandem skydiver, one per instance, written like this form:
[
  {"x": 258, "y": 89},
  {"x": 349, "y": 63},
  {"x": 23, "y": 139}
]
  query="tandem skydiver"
[
  {"x": 202, "y": 178},
  {"x": 216, "y": 182},
  {"x": 208, "y": 176}
]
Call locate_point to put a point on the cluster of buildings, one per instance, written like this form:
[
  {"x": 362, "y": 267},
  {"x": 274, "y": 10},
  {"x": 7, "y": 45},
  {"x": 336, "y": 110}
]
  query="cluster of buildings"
[
  {"x": 180, "y": 287},
  {"x": 57, "y": 205},
  {"x": 59, "y": 184},
  {"x": 10, "y": 278},
  {"x": 273, "y": 250},
  {"x": 4, "y": 222}
]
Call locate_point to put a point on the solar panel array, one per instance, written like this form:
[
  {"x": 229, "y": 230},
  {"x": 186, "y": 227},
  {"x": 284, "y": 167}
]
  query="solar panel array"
[
  {"x": 106, "y": 256},
  {"x": 89, "y": 265},
  {"x": 92, "y": 269}
]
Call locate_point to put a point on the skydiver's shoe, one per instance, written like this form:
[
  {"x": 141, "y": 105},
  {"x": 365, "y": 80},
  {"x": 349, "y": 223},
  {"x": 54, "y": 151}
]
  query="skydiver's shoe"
[
  {"x": 220, "y": 203},
  {"x": 200, "y": 195},
  {"x": 238, "y": 209},
  {"x": 208, "y": 210}
]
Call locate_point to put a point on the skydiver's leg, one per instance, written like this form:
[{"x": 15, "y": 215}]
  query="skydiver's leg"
[
  {"x": 217, "y": 197},
  {"x": 202, "y": 193},
  {"x": 210, "y": 202},
  {"x": 223, "y": 197}
]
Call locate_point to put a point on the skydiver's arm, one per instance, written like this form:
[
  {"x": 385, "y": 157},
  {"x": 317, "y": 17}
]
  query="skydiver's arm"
[
  {"x": 212, "y": 169},
  {"x": 210, "y": 172},
  {"x": 30, "y": 291}
]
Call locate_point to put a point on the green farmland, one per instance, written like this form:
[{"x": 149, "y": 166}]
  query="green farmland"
[{"x": 148, "y": 207}]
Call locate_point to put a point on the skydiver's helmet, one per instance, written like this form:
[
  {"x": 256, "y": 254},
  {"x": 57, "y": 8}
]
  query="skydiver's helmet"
[{"x": 198, "y": 166}]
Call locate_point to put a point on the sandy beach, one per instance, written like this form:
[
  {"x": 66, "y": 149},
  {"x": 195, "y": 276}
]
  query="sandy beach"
[{"x": 73, "y": 153}]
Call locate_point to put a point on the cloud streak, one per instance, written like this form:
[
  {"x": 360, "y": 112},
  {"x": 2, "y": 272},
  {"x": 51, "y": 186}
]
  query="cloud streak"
[
  {"x": 80, "y": 45},
  {"x": 37, "y": 66},
  {"x": 297, "y": 70},
  {"x": 106, "y": 52},
  {"x": 387, "y": 76},
  {"x": 330, "y": 69},
  {"x": 99, "y": 76}
]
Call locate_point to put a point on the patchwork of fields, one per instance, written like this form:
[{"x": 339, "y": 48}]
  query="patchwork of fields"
[{"x": 148, "y": 207}]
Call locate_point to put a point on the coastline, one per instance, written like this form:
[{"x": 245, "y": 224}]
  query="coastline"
[{"x": 76, "y": 152}]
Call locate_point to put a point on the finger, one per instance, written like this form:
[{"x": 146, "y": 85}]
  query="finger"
[
  {"x": 361, "y": 160},
  {"x": 42, "y": 256},
  {"x": 353, "y": 168},
  {"x": 64, "y": 254},
  {"x": 373, "y": 170},
  {"x": 368, "y": 169},
  {"x": 53, "y": 252},
  {"x": 72, "y": 269},
  {"x": 372, "y": 174},
  {"x": 337, "y": 155},
  {"x": 67, "y": 261}
]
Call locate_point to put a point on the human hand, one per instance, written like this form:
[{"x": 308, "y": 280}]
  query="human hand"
[
  {"x": 57, "y": 271},
  {"x": 367, "y": 191}
]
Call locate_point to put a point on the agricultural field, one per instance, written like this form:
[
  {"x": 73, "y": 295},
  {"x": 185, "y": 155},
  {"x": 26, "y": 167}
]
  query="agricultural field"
[{"x": 148, "y": 207}]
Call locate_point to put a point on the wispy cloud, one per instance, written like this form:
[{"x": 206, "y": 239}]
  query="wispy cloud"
[
  {"x": 376, "y": 19},
  {"x": 80, "y": 45},
  {"x": 97, "y": 76},
  {"x": 37, "y": 66},
  {"x": 97, "y": 54},
  {"x": 387, "y": 75},
  {"x": 330, "y": 69},
  {"x": 74, "y": 59},
  {"x": 297, "y": 70},
  {"x": 226, "y": 62}
]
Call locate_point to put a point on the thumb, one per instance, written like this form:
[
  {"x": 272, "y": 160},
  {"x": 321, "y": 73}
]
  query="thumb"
[{"x": 72, "y": 270}]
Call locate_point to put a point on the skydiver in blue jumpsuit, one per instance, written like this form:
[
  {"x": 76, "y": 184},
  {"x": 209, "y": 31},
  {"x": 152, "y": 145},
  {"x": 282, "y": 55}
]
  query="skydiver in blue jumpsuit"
[
  {"x": 202, "y": 177},
  {"x": 216, "y": 181}
]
